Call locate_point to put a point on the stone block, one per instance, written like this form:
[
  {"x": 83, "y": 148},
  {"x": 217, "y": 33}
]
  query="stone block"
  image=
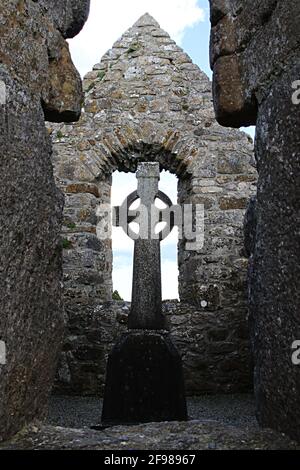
[{"x": 144, "y": 381}]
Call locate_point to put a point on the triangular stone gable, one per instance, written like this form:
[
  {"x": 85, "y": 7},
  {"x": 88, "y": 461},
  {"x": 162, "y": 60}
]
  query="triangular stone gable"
[{"x": 146, "y": 52}]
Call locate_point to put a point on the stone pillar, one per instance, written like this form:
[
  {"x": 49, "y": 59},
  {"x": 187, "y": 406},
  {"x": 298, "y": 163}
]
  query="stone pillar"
[
  {"x": 144, "y": 380},
  {"x": 37, "y": 80},
  {"x": 257, "y": 83}
]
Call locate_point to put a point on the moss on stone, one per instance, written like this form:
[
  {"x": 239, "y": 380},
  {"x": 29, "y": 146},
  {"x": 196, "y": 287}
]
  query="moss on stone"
[
  {"x": 59, "y": 135},
  {"x": 101, "y": 75},
  {"x": 66, "y": 244},
  {"x": 91, "y": 86},
  {"x": 134, "y": 47},
  {"x": 71, "y": 225}
]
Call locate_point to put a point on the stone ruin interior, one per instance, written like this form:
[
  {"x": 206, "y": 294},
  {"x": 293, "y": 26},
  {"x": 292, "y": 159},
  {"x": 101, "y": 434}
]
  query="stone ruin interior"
[{"x": 147, "y": 107}]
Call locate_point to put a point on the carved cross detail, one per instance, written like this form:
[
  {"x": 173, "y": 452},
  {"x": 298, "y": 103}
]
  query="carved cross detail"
[{"x": 146, "y": 307}]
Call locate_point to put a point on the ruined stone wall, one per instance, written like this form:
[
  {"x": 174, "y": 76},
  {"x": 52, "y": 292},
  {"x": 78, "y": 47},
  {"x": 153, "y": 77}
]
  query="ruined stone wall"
[
  {"x": 147, "y": 101},
  {"x": 215, "y": 352},
  {"x": 255, "y": 57},
  {"x": 36, "y": 75}
]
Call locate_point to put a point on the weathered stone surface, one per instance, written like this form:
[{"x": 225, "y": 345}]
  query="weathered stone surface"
[
  {"x": 147, "y": 101},
  {"x": 32, "y": 55},
  {"x": 68, "y": 16},
  {"x": 232, "y": 105},
  {"x": 64, "y": 99},
  {"x": 146, "y": 309},
  {"x": 91, "y": 334},
  {"x": 268, "y": 66},
  {"x": 250, "y": 227},
  {"x": 215, "y": 351},
  {"x": 216, "y": 422},
  {"x": 144, "y": 381},
  {"x": 182, "y": 436}
]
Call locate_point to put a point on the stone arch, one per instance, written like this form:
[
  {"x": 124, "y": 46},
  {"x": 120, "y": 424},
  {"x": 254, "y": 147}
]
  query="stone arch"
[{"x": 123, "y": 147}]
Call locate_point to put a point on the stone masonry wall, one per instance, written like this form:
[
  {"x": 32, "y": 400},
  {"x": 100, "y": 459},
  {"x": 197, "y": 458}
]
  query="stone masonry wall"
[
  {"x": 147, "y": 101},
  {"x": 37, "y": 79},
  {"x": 255, "y": 56},
  {"x": 215, "y": 353}
]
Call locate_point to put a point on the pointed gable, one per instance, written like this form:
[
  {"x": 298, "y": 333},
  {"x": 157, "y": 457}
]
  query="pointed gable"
[{"x": 146, "y": 62}]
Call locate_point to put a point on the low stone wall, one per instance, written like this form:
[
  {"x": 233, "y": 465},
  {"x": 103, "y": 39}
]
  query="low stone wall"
[{"x": 214, "y": 348}]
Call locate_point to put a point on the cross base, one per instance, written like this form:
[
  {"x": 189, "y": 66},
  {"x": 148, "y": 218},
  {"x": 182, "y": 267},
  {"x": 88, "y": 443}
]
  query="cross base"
[{"x": 144, "y": 380}]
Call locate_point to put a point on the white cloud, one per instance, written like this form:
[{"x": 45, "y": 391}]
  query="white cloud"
[
  {"x": 109, "y": 19},
  {"x": 249, "y": 130},
  {"x": 123, "y": 185},
  {"x": 121, "y": 242},
  {"x": 169, "y": 280},
  {"x": 122, "y": 278}
]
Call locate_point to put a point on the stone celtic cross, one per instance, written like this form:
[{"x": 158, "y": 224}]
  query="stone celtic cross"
[
  {"x": 144, "y": 379},
  {"x": 146, "y": 310}
]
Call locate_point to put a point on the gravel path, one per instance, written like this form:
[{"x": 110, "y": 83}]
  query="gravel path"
[{"x": 77, "y": 412}]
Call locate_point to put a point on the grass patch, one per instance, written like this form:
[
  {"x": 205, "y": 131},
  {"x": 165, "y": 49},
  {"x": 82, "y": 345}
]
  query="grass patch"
[
  {"x": 71, "y": 225},
  {"x": 66, "y": 244},
  {"x": 116, "y": 296},
  {"x": 59, "y": 135}
]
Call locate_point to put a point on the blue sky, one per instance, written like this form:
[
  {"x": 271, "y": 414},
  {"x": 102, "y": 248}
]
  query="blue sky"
[
  {"x": 187, "y": 21},
  {"x": 196, "y": 40}
]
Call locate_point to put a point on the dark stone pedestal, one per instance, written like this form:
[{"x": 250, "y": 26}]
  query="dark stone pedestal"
[{"x": 144, "y": 380}]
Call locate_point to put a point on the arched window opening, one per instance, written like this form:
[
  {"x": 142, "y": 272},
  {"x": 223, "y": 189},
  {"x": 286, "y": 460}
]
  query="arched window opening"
[{"x": 122, "y": 185}]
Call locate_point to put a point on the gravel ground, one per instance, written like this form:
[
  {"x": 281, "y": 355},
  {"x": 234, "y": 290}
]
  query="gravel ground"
[
  {"x": 216, "y": 422},
  {"x": 77, "y": 412}
]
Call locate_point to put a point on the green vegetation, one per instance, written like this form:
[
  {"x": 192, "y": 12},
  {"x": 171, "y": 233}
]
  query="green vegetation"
[
  {"x": 71, "y": 225},
  {"x": 135, "y": 46},
  {"x": 91, "y": 86},
  {"x": 59, "y": 135},
  {"x": 101, "y": 75},
  {"x": 66, "y": 244},
  {"x": 116, "y": 296}
]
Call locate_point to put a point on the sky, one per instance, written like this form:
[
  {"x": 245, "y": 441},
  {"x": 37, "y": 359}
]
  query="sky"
[
  {"x": 109, "y": 19},
  {"x": 187, "y": 22}
]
